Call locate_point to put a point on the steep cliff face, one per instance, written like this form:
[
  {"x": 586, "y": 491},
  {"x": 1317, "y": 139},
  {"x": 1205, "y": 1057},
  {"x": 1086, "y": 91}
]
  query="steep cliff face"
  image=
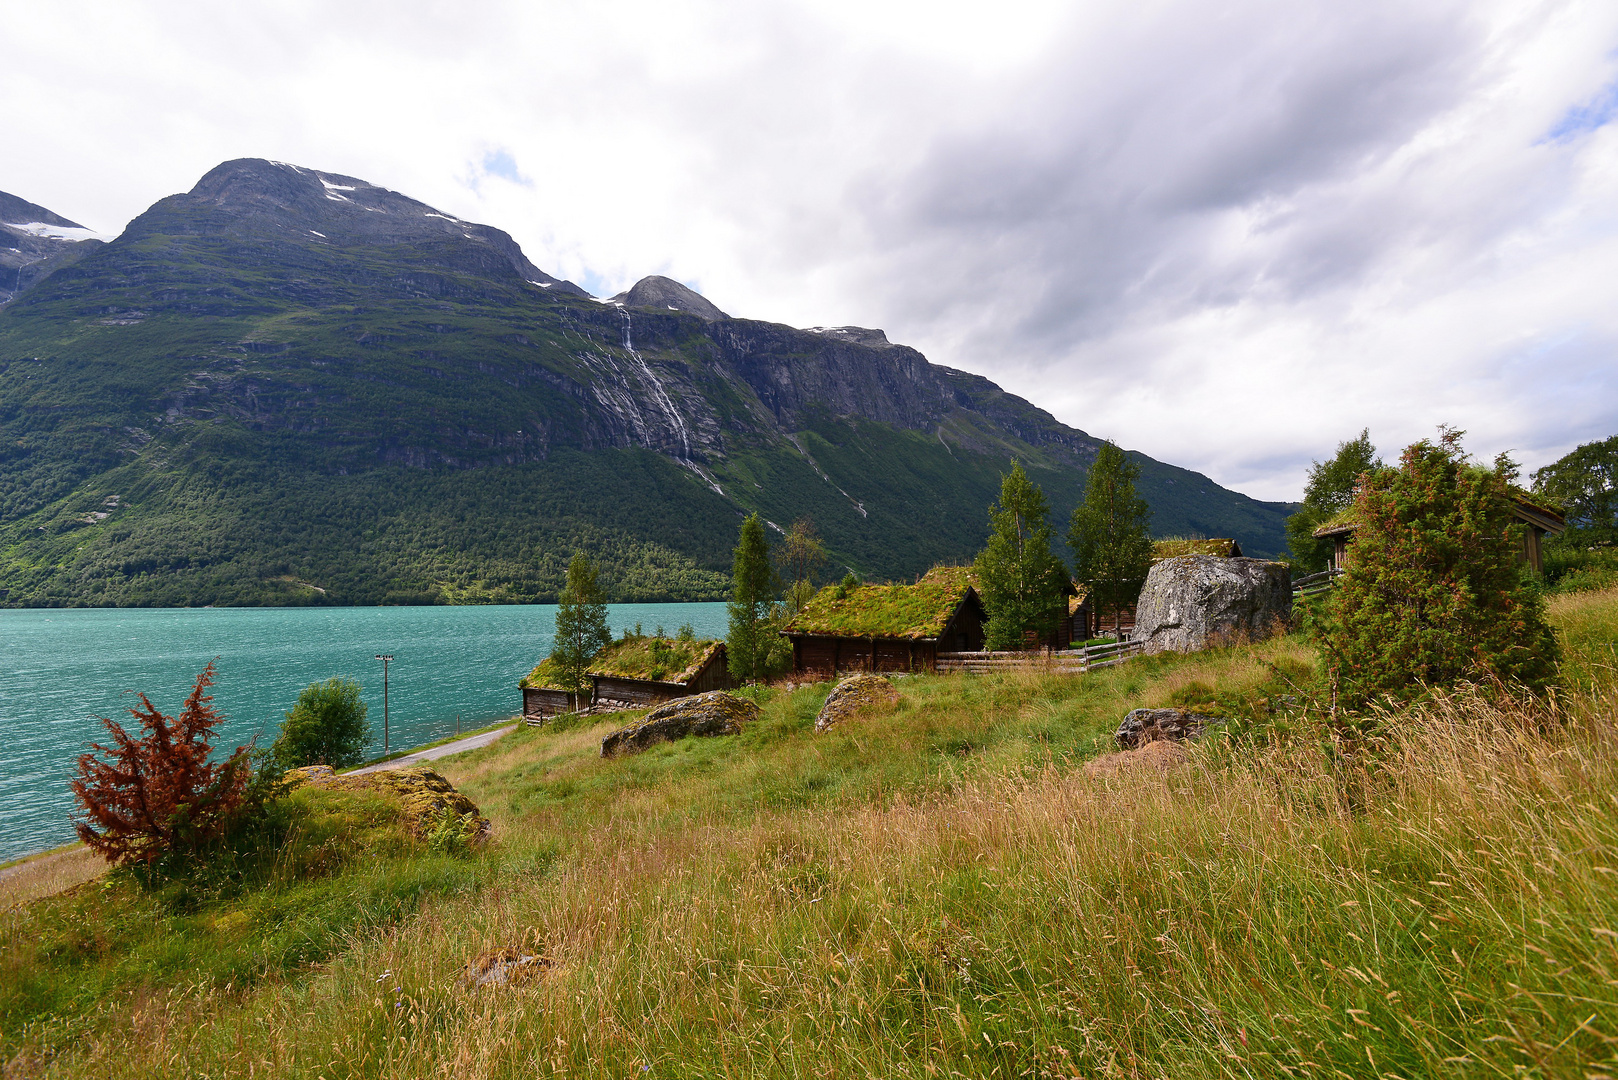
[{"x": 278, "y": 331}]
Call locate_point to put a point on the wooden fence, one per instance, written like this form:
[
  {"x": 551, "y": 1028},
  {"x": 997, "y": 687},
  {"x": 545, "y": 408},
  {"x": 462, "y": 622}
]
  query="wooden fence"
[
  {"x": 1315, "y": 583},
  {"x": 1061, "y": 662}
]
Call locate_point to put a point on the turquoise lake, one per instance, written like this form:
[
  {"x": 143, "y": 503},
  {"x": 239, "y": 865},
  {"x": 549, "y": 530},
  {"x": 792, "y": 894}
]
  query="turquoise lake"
[{"x": 60, "y": 669}]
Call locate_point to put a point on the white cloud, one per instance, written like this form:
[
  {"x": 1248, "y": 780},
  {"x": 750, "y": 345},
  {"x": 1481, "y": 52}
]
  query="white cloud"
[{"x": 1228, "y": 235}]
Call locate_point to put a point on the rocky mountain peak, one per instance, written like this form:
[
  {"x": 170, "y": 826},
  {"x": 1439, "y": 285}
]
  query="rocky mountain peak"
[
  {"x": 35, "y": 241},
  {"x": 275, "y": 200},
  {"x": 667, "y": 294}
]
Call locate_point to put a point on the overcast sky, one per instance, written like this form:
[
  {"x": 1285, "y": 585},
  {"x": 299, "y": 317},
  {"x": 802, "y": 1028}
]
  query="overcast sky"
[{"x": 1228, "y": 234}]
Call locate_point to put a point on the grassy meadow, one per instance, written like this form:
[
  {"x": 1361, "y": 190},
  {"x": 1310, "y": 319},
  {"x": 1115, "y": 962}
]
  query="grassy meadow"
[{"x": 939, "y": 890}]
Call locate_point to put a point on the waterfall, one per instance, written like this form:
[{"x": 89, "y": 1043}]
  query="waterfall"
[{"x": 663, "y": 398}]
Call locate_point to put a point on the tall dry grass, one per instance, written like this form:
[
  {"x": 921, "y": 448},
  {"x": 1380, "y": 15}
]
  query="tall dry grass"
[{"x": 1438, "y": 901}]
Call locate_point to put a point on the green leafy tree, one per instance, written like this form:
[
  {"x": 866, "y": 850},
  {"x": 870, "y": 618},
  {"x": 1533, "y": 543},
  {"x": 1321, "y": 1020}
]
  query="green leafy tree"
[
  {"x": 1434, "y": 592},
  {"x": 1585, "y": 483},
  {"x": 1330, "y": 489},
  {"x": 801, "y": 553},
  {"x": 326, "y": 727},
  {"x": 1110, "y": 533},
  {"x": 750, "y": 644},
  {"x": 581, "y": 626},
  {"x": 1021, "y": 580}
]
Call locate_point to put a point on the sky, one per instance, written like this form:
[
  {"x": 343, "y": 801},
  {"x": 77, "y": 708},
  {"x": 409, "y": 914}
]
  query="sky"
[{"x": 1229, "y": 234}]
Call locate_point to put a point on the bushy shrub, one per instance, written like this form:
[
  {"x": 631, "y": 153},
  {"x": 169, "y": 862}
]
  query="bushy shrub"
[
  {"x": 158, "y": 798},
  {"x": 1434, "y": 592},
  {"x": 326, "y": 727}
]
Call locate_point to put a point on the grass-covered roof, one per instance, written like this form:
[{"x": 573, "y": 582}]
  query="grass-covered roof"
[
  {"x": 1525, "y": 506},
  {"x": 914, "y": 611},
  {"x": 634, "y": 656},
  {"x": 543, "y": 677},
  {"x": 1176, "y": 546},
  {"x": 654, "y": 658}
]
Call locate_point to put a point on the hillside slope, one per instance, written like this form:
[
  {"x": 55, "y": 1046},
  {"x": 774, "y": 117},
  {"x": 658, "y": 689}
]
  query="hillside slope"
[{"x": 288, "y": 386}]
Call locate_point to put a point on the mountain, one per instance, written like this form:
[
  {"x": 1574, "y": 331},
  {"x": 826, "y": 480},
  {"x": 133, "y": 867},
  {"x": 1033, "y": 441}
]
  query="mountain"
[
  {"x": 34, "y": 242},
  {"x": 290, "y": 386}
]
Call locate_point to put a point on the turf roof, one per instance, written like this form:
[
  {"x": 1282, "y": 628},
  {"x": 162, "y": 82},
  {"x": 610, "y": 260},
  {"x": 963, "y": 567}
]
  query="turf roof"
[
  {"x": 1175, "y": 547},
  {"x": 914, "y": 611},
  {"x": 651, "y": 658}
]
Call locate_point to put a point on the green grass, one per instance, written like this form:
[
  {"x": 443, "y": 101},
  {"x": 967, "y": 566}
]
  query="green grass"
[{"x": 942, "y": 889}]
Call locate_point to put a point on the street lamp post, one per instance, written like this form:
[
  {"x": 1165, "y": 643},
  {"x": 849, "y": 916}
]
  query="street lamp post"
[{"x": 384, "y": 658}]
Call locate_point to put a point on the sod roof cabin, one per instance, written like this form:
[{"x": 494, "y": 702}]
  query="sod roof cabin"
[
  {"x": 1537, "y": 520},
  {"x": 888, "y": 627},
  {"x": 631, "y": 673}
]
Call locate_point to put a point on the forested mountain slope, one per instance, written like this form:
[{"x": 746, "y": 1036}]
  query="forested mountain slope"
[{"x": 288, "y": 386}]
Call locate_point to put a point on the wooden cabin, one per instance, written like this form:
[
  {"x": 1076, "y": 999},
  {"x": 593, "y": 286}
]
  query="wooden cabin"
[
  {"x": 639, "y": 672},
  {"x": 1537, "y": 522},
  {"x": 631, "y": 673},
  {"x": 888, "y": 627}
]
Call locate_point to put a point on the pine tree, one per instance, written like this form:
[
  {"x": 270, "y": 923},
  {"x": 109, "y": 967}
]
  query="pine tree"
[
  {"x": 1110, "y": 533},
  {"x": 749, "y": 644},
  {"x": 581, "y": 627},
  {"x": 1021, "y": 580},
  {"x": 1330, "y": 489},
  {"x": 159, "y": 796},
  {"x": 1435, "y": 592}
]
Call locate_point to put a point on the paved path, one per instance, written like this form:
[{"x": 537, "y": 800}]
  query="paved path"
[{"x": 471, "y": 742}]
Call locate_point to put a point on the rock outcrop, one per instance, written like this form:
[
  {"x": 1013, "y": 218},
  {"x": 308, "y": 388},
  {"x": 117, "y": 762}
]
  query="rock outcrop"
[
  {"x": 1194, "y": 601},
  {"x": 425, "y": 797},
  {"x": 713, "y": 713},
  {"x": 1143, "y": 726},
  {"x": 857, "y": 692}
]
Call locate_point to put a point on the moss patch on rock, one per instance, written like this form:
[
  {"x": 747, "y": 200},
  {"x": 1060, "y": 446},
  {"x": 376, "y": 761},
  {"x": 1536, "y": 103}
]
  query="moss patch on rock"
[
  {"x": 426, "y": 800},
  {"x": 854, "y": 695}
]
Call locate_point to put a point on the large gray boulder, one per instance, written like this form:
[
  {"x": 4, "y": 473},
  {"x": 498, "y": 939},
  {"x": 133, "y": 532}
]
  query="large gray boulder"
[
  {"x": 713, "y": 713},
  {"x": 857, "y": 692},
  {"x": 1194, "y": 601}
]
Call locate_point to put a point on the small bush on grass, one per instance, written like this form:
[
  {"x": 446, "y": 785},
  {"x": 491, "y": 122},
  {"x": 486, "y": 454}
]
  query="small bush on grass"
[
  {"x": 1433, "y": 593},
  {"x": 326, "y": 727},
  {"x": 157, "y": 802}
]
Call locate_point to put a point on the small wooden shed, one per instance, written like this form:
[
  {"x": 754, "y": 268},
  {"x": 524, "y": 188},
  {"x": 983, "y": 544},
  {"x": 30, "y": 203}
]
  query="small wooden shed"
[
  {"x": 638, "y": 672},
  {"x": 631, "y": 673},
  {"x": 1537, "y": 520},
  {"x": 888, "y": 627}
]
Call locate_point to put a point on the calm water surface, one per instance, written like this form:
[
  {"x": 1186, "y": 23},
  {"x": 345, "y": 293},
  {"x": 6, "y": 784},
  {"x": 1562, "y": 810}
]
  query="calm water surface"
[{"x": 60, "y": 669}]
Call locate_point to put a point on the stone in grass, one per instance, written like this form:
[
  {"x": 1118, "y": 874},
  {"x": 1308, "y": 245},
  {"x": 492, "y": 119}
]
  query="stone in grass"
[
  {"x": 854, "y": 693},
  {"x": 713, "y": 713},
  {"x": 505, "y": 967},
  {"x": 1143, "y": 726}
]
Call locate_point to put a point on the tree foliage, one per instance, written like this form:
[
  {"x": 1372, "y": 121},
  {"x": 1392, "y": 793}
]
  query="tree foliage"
[
  {"x": 326, "y": 727},
  {"x": 801, "y": 553},
  {"x": 159, "y": 795},
  {"x": 1330, "y": 489},
  {"x": 1020, "y": 578},
  {"x": 581, "y": 625},
  {"x": 1110, "y": 533},
  {"x": 1434, "y": 592},
  {"x": 1585, "y": 483},
  {"x": 750, "y": 644}
]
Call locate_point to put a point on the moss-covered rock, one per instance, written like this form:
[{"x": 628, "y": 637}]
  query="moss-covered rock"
[
  {"x": 425, "y": 798},
  {"x": 713, "y": 713},
  {"x": 856, "y": 694}
]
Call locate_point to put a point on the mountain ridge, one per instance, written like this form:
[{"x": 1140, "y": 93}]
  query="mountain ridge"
[{"x": 286, "y": 338}]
